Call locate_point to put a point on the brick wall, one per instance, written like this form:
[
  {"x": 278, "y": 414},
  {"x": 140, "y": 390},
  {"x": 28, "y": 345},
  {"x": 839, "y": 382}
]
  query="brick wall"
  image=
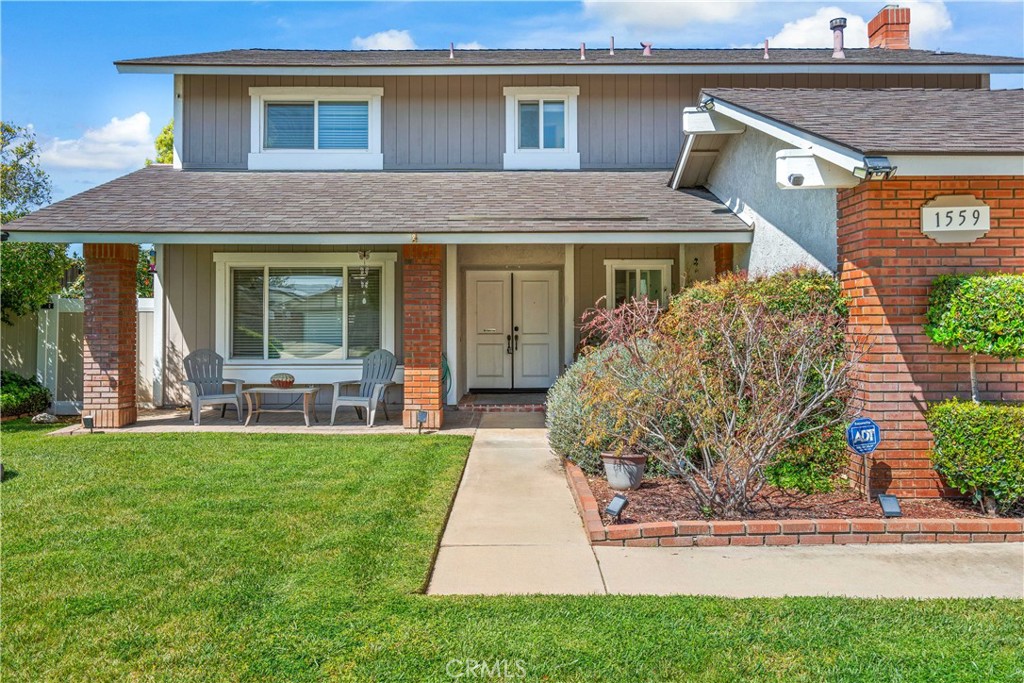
[
  {"x": 111, "y": 328},
  {"x": 886, "y": 267},
  {"x": 422, "y": 276}
]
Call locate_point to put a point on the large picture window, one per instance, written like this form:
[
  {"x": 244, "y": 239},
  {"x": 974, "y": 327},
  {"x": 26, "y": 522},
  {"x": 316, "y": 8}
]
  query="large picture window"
[
  {"x": 314, "y": 128},
  {"x": 304, "y": 308}
]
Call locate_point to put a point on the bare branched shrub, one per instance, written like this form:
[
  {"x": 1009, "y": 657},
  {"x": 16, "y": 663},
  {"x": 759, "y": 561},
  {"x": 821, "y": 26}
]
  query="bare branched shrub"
[{"x": 748, "y": 376}]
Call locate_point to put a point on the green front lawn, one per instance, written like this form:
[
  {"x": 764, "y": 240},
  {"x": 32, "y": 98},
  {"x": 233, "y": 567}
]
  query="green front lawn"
[{"x": 289, "y": 558}]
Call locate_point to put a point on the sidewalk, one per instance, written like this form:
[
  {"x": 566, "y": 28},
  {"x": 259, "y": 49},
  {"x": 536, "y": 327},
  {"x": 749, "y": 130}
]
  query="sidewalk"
[{"x": 514, "y": 529}]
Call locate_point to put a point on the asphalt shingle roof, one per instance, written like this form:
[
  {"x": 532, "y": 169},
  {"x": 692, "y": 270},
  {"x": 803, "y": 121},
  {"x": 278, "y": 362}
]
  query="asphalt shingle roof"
[
  {"x": 596, "y": 56},
  {"x": 895, "y": 121},
  {"x": 161, "y": 199}
]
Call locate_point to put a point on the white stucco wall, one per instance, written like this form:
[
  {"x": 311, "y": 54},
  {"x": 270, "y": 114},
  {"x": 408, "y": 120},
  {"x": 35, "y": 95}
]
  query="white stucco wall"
[{"x": 791, "y": 227}]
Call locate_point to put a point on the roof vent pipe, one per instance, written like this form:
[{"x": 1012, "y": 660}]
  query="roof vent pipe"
[
  {"x": 583, "y": 52},
  {"x": 611, "y": 47},
  {"x": 837, "y": 25},
  {"x": 451, "y": 50},
  {"x": 765, "y": 50},
  {"x": 647, "y": 48}
]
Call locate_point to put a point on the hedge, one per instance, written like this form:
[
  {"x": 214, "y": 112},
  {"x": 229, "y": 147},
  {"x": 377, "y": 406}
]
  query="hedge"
[
  {"x": 979, "y": 450},
  {"x": 22, "y": 396}
]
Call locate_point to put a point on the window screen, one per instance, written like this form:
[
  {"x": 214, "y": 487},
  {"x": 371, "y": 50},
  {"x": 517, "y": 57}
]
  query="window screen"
[
  {"x": 289, "y": 125},
  {"x": 344, "y": 125}
]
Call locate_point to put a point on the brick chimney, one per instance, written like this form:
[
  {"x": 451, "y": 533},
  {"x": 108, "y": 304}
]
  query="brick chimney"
[{"x": 890, "y": 28}]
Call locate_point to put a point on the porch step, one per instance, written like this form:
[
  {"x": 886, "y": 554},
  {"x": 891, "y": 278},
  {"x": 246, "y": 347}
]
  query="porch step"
[
  {"x": 503, "y": 403},
  {"x": 503, "y": 408}
]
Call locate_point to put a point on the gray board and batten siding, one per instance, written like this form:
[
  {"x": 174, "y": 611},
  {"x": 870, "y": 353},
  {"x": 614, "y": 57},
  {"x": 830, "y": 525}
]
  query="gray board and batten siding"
[{"x": 458, "y": 122}]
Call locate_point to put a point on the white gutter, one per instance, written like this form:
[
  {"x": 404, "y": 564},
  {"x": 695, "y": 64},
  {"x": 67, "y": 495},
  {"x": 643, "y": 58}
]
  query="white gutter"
[
  {"x": 505, "y": 237},
  {"x": 563, "y": 69}
]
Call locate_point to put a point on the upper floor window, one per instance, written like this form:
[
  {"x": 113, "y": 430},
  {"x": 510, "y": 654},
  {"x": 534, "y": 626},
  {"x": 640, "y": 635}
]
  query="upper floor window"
[
  {"x": 540, "y": 127},
  {"x": 316, "y": 129}
]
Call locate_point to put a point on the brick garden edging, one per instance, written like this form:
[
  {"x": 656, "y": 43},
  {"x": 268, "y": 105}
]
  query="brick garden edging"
[{"x": 785, "y": 531}]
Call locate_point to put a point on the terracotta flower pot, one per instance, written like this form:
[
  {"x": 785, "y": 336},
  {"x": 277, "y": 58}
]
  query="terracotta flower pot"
[
  {"x": 624, "y": 472},
  {"x": 282, "y": 380}
]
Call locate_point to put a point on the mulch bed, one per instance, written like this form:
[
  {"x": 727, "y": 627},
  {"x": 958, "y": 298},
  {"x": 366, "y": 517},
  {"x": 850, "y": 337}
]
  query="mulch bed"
[{"x": 668, "y": 500}]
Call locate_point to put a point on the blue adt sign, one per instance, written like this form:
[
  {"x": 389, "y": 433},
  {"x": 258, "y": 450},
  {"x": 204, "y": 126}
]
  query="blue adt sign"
[{"x": 863, "y": 435}]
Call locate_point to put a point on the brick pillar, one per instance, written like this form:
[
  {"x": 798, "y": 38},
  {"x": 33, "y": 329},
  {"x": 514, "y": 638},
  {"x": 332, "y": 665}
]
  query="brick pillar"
[
  {"x": 886, "y": 267},
  {"x": 111, "y": 327},
  {"x": 422, "y": 275}
]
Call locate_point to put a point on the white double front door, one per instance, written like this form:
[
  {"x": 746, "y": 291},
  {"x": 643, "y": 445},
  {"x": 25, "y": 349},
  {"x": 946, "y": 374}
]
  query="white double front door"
[{"x": 512, "y": 329}]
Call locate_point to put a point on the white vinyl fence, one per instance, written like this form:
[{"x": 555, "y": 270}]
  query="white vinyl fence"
[{"x": 47, "y": 345}]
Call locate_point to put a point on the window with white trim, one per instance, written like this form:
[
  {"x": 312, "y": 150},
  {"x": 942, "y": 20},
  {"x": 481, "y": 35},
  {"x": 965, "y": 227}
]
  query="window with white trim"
[
  {"x": 541, "y": 128},
  {"x": 303, "y": 308},
  {"x": 629, "y": 279},
  {"x": 316, "y": 128}
]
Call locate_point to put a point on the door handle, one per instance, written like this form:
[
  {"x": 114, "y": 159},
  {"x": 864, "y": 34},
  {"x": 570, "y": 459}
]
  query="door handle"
[
  {"x": 508, "y": 348},
  {"x": 516, "y": 330}
]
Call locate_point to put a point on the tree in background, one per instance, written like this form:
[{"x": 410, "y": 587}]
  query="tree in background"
[
  {"x": 30, "y": 273},
  {"x": 164, "y": 146}
]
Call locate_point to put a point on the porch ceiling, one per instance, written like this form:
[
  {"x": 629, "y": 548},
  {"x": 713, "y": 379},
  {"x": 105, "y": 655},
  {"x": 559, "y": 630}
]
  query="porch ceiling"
[{"x": 160, "y": 200}]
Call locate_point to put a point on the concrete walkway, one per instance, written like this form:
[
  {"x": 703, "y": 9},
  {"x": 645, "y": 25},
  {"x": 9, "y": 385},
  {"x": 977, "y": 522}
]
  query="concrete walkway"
[
  {"x": 514, "y": 529},
  {"x": 514, "y": 526}
]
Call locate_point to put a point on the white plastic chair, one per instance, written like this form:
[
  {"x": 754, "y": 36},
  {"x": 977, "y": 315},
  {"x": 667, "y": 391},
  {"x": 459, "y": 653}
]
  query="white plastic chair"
[
  {"x": 378, "y": 373},
  {"x": 205, "y": 372}
]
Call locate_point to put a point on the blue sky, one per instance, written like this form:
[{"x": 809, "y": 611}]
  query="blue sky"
[{"x": 95, "y": 125}]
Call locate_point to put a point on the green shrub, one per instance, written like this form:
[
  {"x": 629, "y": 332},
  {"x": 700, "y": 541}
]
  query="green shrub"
[
  {"x": 979, "y": 450},
  {"x": 21, "y": 396},
  {"x": 810, "y": 464},
  {"x": 580, "y": 429}
]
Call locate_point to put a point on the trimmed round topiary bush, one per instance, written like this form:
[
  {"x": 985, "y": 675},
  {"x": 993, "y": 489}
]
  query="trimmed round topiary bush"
[
  {"x": 22, "y": 396},
  {"x": 981, "y": 314},
  {"x": 979, "y": 450}
]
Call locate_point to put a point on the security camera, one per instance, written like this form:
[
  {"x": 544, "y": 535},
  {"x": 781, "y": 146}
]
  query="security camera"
[{"x": 796, "y": 179}]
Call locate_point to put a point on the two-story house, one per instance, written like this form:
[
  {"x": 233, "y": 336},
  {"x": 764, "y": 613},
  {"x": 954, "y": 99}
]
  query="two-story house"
[{"x": 460, "y": 208}]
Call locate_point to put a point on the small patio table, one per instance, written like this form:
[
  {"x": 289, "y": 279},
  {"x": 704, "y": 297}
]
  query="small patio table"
[{"x": 254, "y": 404}]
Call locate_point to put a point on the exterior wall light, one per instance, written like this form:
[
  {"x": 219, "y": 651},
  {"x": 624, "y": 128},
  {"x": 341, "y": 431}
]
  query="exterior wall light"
[
  {"x": 890, "y": 505},
  {"x": 708, "y": 104},
  {"x": 875, "y": 168},
  {"x": 616, "y": 506}
]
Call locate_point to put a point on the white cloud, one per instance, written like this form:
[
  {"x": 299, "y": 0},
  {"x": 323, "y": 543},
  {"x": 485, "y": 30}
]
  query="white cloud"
[
  {"x": 813, "y": 31},
  {"x": 469, "y": 46},
  {"x": 120, "y": 144},
  {"x": 662, "y": 14},
  {"x": 928, "y": 21},
  {"x": 392, "y": 39}
]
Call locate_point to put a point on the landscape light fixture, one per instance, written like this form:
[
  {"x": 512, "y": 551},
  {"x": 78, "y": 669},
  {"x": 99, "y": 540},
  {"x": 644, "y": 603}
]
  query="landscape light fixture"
[
  {"x": 875, "y": 168},
  {"x": 421, "y": 419},
  {"x": 88, "y": 421},
  {"x": 616, "y": 506},
  {"x": 890, "y": 505}
]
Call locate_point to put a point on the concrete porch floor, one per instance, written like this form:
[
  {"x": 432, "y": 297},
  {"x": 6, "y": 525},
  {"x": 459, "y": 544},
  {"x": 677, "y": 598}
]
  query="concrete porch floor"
[{"x": 178, "y": 420}]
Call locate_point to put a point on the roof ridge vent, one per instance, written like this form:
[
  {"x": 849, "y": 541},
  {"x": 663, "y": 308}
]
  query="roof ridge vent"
[{"x": 647, "y": 48}]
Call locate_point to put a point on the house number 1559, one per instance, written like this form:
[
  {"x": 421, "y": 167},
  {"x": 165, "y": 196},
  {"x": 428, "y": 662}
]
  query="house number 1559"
[
  {"x": 955, "y": 218},
  {"x": 949, "y": 217}
]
